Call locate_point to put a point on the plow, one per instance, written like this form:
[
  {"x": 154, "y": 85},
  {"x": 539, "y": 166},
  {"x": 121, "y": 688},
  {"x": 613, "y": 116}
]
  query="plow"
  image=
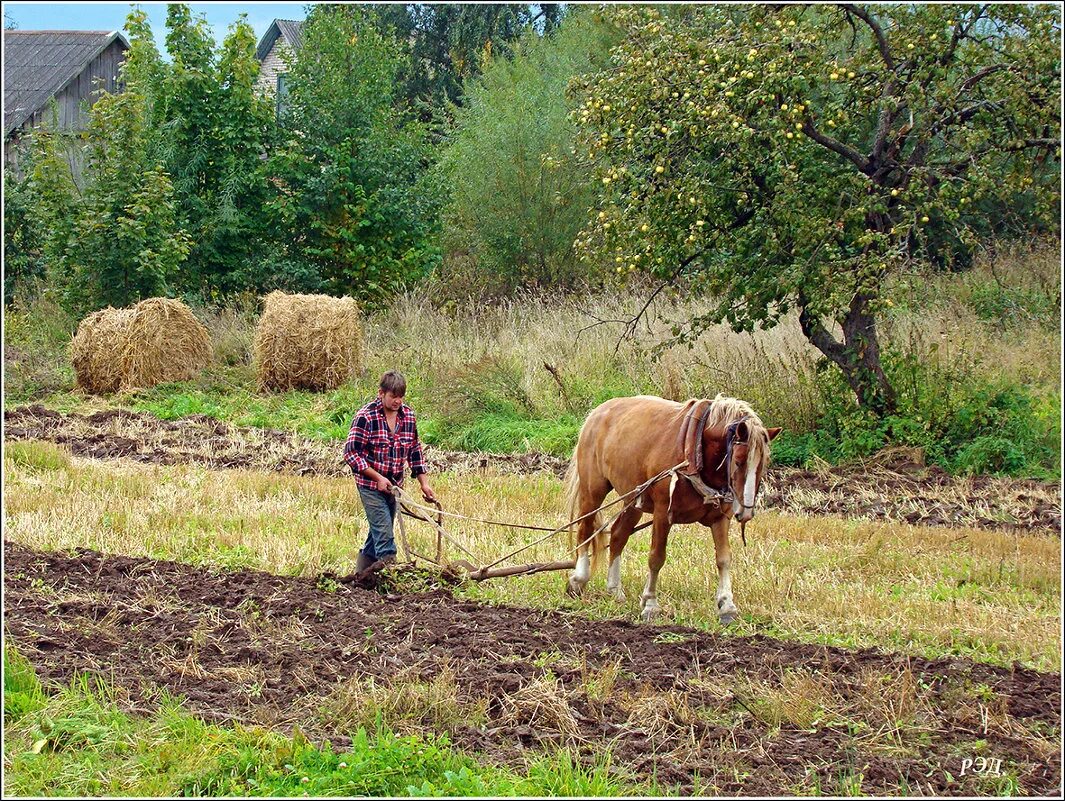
[{"x": 481, "y": 570}]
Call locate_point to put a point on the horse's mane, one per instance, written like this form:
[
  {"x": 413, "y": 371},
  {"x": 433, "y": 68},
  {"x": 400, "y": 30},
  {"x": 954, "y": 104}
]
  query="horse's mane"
[{"x": 725, "y": 410}]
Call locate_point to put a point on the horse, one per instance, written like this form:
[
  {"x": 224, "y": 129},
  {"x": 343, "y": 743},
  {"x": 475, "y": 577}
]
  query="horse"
[{"x": 722, "y": 449}]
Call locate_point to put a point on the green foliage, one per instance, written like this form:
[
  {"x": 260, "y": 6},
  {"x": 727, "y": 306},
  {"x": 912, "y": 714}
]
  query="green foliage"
[
  {"x": 794, "y": 157},
  {"x": 78, "y": 743},
  {"x": 215, "y": 130},
  {"x": 518, "y": 196},
  {"x": 1009, "y": 306},
  {"x": 351, "y": 210},
  {"x": 448, "y": 43},
  {"x": 22, "y": 689},
  {"x": 125, "y": 243},
  {"x": 962, "y": 421},
  {"x": 39, "y": 208}
]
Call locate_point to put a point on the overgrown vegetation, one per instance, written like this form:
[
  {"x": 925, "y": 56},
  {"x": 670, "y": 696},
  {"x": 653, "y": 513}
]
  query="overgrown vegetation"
[
  {"x": 420, "y": 170},
  {"x": 974, "y": 396},
  {"x": 78, "y": 742}
]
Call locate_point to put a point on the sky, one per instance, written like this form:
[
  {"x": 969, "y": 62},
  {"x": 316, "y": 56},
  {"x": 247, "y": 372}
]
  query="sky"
[{"x": 29, "y": 16}]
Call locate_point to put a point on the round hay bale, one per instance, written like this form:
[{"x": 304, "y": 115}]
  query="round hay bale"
[
  {"x": 95, "y": 349},
  {"x": 165, "y": 342},
  {"x": 156, "y": 341},
  {"x": 307, "y": 342}
]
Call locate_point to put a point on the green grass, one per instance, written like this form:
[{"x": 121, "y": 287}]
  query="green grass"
[{"x": 79, "y": 742}]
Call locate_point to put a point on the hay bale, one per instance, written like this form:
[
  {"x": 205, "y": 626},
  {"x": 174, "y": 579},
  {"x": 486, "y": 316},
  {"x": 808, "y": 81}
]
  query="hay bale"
[
  {"x": 94, "y": 350},
  {"x": 156, "y": 341},
  {"x": 307, "y": 342}
]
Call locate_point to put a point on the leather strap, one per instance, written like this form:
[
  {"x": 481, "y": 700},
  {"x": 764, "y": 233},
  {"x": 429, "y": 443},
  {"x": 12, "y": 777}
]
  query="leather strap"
[
  {"x": 685, "y": 424},
  {"x": 693, "y": 441}
]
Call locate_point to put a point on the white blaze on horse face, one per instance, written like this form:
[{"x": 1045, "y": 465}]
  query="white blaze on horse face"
[{"x": 749, "y": 487}]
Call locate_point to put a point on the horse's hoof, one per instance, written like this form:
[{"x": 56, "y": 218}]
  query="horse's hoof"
[
  {"x": 726, "y": 618},
  {"x": 574, "y": 590},
  {"x": 649, "y": 612},
  {"x": 618, "y": 593}
]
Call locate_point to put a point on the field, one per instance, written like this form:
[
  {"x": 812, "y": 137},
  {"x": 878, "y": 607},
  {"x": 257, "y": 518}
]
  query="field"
[
  {"x": 181, "y": 618},
  {"x": 197, "y": 561}
]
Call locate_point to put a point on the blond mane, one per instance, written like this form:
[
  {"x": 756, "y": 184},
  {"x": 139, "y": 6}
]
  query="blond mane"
[{"x": 725, "y": 410}]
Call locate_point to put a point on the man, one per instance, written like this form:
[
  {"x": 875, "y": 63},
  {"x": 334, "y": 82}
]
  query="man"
[{"x": 383, "y": 436}]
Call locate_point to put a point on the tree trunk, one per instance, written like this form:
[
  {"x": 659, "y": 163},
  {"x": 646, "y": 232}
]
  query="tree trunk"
[{"x": 858, "y": 356}]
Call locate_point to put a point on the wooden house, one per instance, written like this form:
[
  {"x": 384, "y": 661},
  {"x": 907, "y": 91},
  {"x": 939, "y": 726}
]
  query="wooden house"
[
  {"x": 71, "y": 66},
  {"x": 282, "y": 35}
]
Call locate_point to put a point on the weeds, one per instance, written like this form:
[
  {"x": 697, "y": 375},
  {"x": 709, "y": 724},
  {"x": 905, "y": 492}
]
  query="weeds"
[{"x": 973, "y": 359}]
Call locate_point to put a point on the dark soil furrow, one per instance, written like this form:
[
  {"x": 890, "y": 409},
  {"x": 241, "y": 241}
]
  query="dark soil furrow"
[{"x": 261, "y": 648}]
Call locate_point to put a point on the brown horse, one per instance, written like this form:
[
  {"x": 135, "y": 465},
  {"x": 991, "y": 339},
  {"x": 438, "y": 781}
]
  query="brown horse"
[{"x": 625, "y": 442}]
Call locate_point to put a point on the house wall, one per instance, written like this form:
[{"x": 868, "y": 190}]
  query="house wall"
[
  {"x": 73, "y": 101},
  {"x": 271, "y": 67}
]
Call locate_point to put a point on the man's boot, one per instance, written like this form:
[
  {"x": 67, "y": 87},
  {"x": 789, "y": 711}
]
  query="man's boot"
[{"x": 363, "y": 562}]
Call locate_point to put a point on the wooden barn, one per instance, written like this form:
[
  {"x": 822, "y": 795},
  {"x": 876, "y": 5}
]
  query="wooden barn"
[
  {"x": 70, "y": 66},
  {"x": 283, "y": 34}
]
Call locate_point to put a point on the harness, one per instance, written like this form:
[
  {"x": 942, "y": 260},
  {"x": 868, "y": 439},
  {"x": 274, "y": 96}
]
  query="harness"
[{"x": 690, "y": 444}]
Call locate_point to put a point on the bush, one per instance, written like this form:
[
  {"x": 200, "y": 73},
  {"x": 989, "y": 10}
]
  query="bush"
[
  {"x": 518, "y": 194},
  {"x": 964, "y": 421}
]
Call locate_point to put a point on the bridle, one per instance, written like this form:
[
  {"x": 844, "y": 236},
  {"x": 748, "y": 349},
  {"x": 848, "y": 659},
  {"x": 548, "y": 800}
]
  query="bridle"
[{"x": 730, "y": 442}]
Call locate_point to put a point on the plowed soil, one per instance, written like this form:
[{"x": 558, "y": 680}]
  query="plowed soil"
[
  {"x": 899, "y": 488},
  {"x": 254, "y": 647}
]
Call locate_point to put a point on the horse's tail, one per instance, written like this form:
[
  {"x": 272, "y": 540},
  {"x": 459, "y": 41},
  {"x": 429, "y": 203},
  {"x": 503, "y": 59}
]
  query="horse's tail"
[{"x": 573, "y": 507}]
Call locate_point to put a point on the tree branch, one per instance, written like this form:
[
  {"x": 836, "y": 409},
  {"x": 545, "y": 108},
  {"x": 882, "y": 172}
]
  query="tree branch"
[
  {"x": 960, "y": 32},
  {"x": 848, "y": 152},
  {"x": 820, "y": 336},
  {"x": 878, "y": 32}
]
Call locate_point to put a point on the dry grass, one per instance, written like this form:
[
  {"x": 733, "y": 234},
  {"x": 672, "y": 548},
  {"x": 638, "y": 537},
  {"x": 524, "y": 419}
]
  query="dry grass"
[
  {"x": 307, "y": 342},
  {"x": 543, "y": 705},
  {"x": 152, "y": 342},
  {"x": 773, "y": 370},
  {"x": 409, "y": 704},
  {"x": 992, "y": 595}
]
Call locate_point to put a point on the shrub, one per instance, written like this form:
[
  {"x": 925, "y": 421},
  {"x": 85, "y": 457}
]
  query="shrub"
[{"x": 518, "y": 194}]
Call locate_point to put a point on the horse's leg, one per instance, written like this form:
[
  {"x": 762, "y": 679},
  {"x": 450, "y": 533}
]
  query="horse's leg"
[
  {"x": 591, "y": 497},
  {"x": 619, "y": 536},
  {"x": 659, "y": 534},
  {"x": 726, "y": 609}
]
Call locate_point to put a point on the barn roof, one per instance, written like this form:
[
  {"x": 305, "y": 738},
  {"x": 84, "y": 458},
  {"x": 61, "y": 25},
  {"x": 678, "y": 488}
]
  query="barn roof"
[
  {"x": 288, "y": 29},
  {"x": 40, "y": 64}
]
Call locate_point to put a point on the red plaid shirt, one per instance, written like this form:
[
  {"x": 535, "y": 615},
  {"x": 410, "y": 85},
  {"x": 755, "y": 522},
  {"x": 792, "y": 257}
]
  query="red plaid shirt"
[{"x": 371, "y": 444}]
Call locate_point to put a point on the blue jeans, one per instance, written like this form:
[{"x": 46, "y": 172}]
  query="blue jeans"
[{"x": 380, "y": 513}]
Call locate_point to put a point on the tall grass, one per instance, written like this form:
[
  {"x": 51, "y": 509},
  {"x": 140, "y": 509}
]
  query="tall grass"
[{"x": 521, "y": 373}]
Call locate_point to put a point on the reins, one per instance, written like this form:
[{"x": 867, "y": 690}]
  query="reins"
[{"x": 690, "y": 441}]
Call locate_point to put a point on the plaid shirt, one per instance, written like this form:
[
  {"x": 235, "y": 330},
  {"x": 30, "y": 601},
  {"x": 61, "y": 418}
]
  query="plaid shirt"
[{"x": 371, "y": 444}]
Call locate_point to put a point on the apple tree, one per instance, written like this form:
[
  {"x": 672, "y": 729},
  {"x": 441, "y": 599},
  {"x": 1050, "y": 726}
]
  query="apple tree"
[{"x": 794, "y": 157}]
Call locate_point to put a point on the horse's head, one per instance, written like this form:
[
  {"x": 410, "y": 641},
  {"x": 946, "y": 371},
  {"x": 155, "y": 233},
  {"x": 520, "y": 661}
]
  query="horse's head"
[{"x": 737, "y": 454}]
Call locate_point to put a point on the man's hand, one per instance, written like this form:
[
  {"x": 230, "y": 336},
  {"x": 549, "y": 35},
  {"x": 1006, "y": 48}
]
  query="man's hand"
[
  {"x": 427, "y": 491},
  {"x": 383, "y": 484}
]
